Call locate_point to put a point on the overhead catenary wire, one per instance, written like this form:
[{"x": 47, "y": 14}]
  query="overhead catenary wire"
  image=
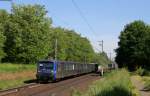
[
  {"x": 97, "y": 49},
  {"x": 83, "y": 17},
  {"x": 59, "y": 19},
  {"x": 68, "y": 24}
]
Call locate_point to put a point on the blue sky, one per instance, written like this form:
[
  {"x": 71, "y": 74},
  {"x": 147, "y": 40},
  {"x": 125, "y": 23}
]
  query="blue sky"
[{"x": 107, "y": 17}]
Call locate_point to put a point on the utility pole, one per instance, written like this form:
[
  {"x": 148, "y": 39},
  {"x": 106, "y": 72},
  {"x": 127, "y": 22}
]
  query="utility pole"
[
  {"x": 85, "y": 59},
  {"x": 85, "y": 56},
  {"x": 101, "y": 44},
  {"x": 56, "y": 49},
  {"x": 110, "y": 55}
]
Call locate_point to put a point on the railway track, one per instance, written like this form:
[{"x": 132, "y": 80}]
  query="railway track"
[
  {"x": 53, "y": 90},
  {"x": 50, "y": 89},
  {"x": 16, "y": 89}
]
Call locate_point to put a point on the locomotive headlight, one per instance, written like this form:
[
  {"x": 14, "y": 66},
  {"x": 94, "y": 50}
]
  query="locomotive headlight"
[
  {"x": 39, "y": 71},
  {"x": 52, "y": 71}
]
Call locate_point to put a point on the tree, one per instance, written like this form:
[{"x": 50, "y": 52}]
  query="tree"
[
  {"x": 71, "y": 46},
  {"x": 58, "y": 34},
  {"x": 31, "y": 37},
  {"x": 131, "y": 51},
  {"x": 27, "y": 34},
  {"x": 4, "y": 17},
  {"x": 102, "y": 59}
]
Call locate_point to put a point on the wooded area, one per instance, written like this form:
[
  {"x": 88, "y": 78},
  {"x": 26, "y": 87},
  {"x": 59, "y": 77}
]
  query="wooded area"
[{"x": 27, "y": 35}]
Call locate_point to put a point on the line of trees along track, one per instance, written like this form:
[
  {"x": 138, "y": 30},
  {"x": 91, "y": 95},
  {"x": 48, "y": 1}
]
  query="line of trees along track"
[
  {"x": 27, "y": 35},
  {"x": 134, "y": 46}
]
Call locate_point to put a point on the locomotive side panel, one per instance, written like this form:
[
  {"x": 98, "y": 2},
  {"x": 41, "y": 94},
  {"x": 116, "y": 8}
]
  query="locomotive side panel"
[{"x": 53, "y": 70}]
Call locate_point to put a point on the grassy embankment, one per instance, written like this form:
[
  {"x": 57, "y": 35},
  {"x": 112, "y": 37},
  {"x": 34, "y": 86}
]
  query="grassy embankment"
[
  {"x": 146, "y": 80},
  {"x": 116, "y": 83},
  {"x": 13, "y": 75}
]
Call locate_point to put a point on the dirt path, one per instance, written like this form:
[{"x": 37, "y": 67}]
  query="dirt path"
[{"x": 137, "y": 82}]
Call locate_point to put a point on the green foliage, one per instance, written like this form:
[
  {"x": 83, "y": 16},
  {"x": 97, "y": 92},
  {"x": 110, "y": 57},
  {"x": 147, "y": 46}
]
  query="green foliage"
[
  {"x": 2, "y": 40},
  {"x": 27, "y": 34},
  {"x": 133, "y": 50},
  {"x": 75, "y": 92},
  {"x": 79, "y": 48},
  {"x": 146, "y": 83},
  {"x": 3, "y": 19},
  {"x": 102, "y": 59},
  {"x": 71, "y": 46},
  {"x": 114, "y": 84},
  {"x": 140, "y": 71}
]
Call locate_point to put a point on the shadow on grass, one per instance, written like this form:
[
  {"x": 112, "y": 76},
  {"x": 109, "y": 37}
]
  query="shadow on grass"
[
  {"x": 37, "y": 81},
  {"x": 147, "y": 88},
  {"x": 30, "y": 81},
  {"x": 116, "y": 91}
]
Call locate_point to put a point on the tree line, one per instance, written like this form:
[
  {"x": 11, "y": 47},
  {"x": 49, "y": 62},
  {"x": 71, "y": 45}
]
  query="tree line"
[
  {"x": 134, "y": 46},
  {"x": 27, "y": 35}
]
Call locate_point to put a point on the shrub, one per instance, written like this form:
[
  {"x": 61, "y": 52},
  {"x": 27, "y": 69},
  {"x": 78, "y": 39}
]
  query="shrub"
[
  {"x": 140, "y": 71},
  {"x": 146, "y": 83},
  {"x": 117, "y": 83}
]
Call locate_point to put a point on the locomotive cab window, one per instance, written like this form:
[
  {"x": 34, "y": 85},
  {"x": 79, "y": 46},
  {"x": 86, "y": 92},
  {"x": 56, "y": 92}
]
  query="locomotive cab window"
[{"x": 46, "y": 65}]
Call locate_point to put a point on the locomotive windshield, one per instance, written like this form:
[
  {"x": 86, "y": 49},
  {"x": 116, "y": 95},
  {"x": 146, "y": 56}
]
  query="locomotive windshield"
[{"x": 46, "y": 65}]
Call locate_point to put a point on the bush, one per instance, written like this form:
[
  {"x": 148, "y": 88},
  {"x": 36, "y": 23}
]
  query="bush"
[
  {"x": 146, "y": 72},
  {"x": 140, "y": 71},
  {"x": 117, "y": 83},
  {"x": 146, "y": 83}
]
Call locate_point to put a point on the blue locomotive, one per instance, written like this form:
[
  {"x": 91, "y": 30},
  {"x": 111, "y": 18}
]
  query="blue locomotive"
[{"x": 53, "y": 70}]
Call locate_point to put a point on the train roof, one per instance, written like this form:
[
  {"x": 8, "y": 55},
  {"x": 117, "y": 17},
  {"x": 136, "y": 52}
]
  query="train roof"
[{"x": 63, "y": 61}]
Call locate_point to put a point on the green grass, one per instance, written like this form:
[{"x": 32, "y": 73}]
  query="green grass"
[
  {"x": 5, "y": 84},
  {"x": 116, "y": 83},
  {"x": 10, "y": 68},
  {"x": 14, "y": 75}
]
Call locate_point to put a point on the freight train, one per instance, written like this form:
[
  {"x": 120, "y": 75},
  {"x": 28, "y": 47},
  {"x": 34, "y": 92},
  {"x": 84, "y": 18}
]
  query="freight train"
[{"x": 54, "y": 70}]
